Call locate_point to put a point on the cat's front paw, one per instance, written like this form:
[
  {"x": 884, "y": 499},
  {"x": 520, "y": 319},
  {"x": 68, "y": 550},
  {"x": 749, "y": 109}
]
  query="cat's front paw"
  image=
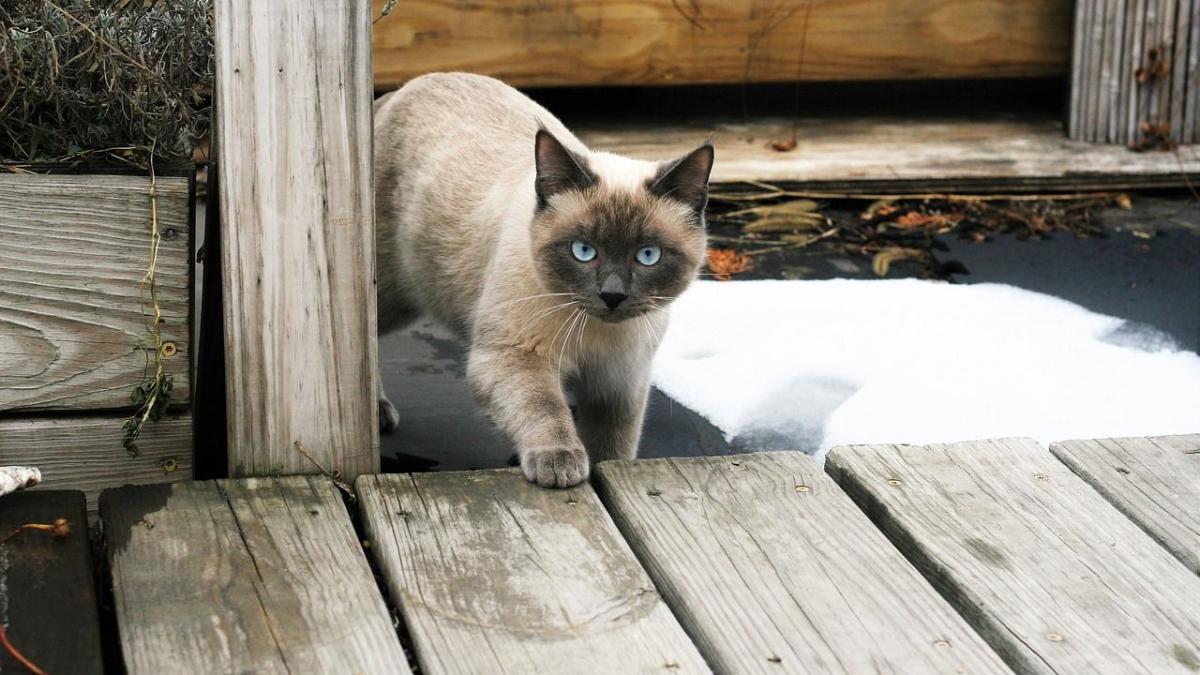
[
  {"x": 389, "y": 417},
  {"x": 559, "y": 467}
]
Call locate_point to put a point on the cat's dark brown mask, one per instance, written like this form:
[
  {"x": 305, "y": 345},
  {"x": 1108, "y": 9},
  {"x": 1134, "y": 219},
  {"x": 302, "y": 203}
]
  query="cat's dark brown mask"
[{"x": 620, "y": 249}]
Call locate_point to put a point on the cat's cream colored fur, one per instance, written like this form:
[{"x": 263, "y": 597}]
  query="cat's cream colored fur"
[{"x": 458, "y": 237}]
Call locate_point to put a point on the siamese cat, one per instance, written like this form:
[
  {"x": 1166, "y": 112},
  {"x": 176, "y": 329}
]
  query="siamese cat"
[{"x": 555, "y": 263}]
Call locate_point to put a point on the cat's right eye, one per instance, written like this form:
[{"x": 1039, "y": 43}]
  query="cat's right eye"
[{"x": 583, "y": 251}]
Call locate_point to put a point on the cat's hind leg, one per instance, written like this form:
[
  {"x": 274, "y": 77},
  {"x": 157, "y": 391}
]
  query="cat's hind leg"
[{"x": 399, "y": 315}]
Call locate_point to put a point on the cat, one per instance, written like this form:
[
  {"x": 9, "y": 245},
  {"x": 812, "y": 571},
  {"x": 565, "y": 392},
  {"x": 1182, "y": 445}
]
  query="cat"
[{"x": 555, "y": 263}]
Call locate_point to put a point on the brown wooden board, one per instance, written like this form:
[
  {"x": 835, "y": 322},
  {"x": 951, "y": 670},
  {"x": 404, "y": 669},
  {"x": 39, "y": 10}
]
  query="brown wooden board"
[
  {"x": 73, "y": 251},
  {"x": 1153, "y": 481},
  {"x": 297, "y": 239},
  {"x": 1054, "y": 577},
  {"x": 85, "y": 453},
  {"x": 590, "y": 42},
  {"x": 494, "y": 575},
  {"x": 874, "y": 155},
  {"x": 772, "y": 569},
  {"x": 262, "y": 575},
  {"x": 47, "y": 587}
]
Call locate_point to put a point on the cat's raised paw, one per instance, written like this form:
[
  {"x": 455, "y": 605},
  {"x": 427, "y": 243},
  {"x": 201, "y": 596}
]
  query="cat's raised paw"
[
  {"x": 555, "y": 467},
  {"x": 389, "y": 417}
]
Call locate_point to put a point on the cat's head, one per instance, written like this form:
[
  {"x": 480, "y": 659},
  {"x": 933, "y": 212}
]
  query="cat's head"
[{"x": 622, "y": 237}]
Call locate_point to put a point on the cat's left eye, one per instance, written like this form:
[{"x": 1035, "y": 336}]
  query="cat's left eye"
[{"x": 648, "y": 255}]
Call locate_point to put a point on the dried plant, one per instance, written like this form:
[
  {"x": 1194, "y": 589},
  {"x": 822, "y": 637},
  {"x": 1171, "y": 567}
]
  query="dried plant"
[{"x": 104, "y": 79}]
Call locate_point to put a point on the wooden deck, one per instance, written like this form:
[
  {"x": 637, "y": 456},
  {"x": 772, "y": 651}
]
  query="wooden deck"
[{"x": 980, "y": 557}]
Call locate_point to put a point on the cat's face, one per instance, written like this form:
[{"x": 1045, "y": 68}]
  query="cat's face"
[{"x": 619, "y": 251}]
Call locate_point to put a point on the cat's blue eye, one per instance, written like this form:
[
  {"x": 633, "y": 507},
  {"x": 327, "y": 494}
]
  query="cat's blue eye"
[
  {"x": 582, "y": 250},
  {"x": 648, "y": 255}
]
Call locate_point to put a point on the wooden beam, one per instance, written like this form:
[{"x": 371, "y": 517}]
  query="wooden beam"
[
  {"x": 905, "y": 155},
  {"x": 257, "y": 575},
  {"x": 1054, "y": 577},
  {"x": 85, "y": 453},
  {"x": 49, "y": 593},
  {"x": 298, "y": 236},
  {"x": 590, "y": 42},
  {"x": 494, "y": 575},
  {"x": 771, "y": 568},
  {"x": 1153, "y": 481},
  {"x": 73, "y": 250}
]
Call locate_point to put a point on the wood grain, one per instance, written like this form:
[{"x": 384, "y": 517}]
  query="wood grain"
[
  {"x": 298, "y": 242},
  {"x": 73, "y": 250},
  {"x": 494, "y": 575},
  {"x": 1153, "y": 481},
  {"x": 85, "y": 453},
  {"x": 259, "y": 575},
  {"x": 905, "y": 155},
  {"x": 1049, "y": 573},
  {"x": 590, "y": 42},
  {"x": 49, "y": 595},
  {"x": 772, "y": 569}
]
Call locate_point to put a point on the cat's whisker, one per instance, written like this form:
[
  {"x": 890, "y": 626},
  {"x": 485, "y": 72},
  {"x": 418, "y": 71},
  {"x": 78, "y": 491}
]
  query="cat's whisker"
[
  {"x": 579, "y": 342},
  {"x": 567, "y": 339},
  {"x": 530, "y": 297}
]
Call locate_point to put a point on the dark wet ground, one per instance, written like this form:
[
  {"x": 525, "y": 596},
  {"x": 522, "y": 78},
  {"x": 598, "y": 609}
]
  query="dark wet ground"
[{"x": 1146, "y": 268}]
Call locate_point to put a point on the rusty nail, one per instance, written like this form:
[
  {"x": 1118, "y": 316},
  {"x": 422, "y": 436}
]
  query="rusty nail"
[
  {"x": 1041, "y": 476},
  {"x": 168, "y": 350},
  {"x": 803, "y": 488},
  {"x": 170, "y": 233},
  {"x": 893, "y": 481},
  {"x": 169, "y": 465}
]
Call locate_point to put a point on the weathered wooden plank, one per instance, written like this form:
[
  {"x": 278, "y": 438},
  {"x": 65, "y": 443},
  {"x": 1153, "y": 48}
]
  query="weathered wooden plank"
[
  {"x": 46, "y": 584},
  {"x": 257, "y": 575},
  {"x": 860, "y": 155},
  {"x": 1048, "y": 572},
  {"x": 85, "y": 453},
  {"x": 494, "y": 575},
  {"x": 298, "y": 238},
  {"x": 73, "y": 250},
  {"x": 588, "y": 42},
  {"x": 1153, "y": 481},
  {"x": 773, "y": 569},
  {"x": 1079, "y": 47}
]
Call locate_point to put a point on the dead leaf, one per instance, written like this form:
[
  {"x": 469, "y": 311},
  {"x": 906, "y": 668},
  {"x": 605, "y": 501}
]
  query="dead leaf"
[
  {"x": 724, "y": 263},
  {"x": 1123, "y": 201},
  {"x": 884, "y": 259},
  {"x": 882, "y": 207},
  {"x": 783, "y": 146}
]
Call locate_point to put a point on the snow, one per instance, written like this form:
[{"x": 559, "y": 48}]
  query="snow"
[{"x": 807, "y": 365}]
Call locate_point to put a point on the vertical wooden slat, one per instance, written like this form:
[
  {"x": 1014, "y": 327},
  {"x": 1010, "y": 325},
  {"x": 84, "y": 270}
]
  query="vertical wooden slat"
[
  {"x": 1179, "y": 54},
  {"x": 1106, "y": 59},
  {"x": 1191, "y": 121},
  {"x": 294, "y": 125},
  {"x": 1078, "y": 49}
]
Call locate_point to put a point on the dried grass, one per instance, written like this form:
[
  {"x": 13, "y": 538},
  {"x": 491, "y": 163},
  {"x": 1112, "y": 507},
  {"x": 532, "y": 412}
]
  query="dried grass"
[{"x": 109, "y": 80}]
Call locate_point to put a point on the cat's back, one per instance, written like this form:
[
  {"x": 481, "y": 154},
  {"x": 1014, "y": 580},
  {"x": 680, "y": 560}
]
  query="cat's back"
[{"x": 460, "y": 123}]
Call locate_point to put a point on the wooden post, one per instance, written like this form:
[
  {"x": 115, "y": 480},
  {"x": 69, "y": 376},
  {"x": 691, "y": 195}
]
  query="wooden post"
[{"x": 298, "y": 255}]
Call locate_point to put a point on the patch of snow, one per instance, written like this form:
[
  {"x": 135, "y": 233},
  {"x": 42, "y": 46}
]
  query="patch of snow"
[{"x": 807, "y": 365}]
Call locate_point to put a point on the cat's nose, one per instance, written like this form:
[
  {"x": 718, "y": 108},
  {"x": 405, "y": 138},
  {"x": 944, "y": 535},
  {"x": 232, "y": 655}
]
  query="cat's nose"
[
  {"x": 613, "y": 300},
  {"x": 612, "y": 292}
]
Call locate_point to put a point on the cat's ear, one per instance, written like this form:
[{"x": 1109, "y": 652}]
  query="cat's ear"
[
  {"x": 558, "y": 168},
  {"x": 686, "y": 179}
]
